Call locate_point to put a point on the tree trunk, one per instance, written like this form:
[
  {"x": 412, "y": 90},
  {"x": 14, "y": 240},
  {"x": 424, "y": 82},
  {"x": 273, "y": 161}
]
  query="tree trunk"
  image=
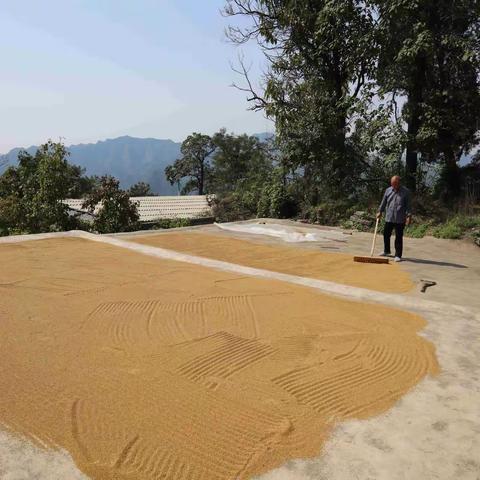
[
  {"x": 415, "y": 98},
  {"x": 452, "y": 177},
  {"x": 343, "y": 174},
  {"x": 411, "y": 160},
  {"x": 339, "y": 141}
]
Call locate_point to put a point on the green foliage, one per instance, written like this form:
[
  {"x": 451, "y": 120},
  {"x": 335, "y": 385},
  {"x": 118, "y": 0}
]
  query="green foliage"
[
  {"x": 336, "y": 71},
  {"x": 117, "y": 213},
  {"x": 229, "y": 207},
  {"x": 466, "y": 222},
  {"x": 457, "y": 227},
  {"x": 316, "y": 84},
  {"x": 235, "y": 168},
  {"x": 31, "y": 193},
  {"x": 81, "y": 185},
  {"x": 276, "y": 201},
  {"x": 363, "y": 221},
  {"x": 328, "y": 213},
  {"x": 429, "y": 54},
  {"x": 194, "y": 164},
  {"x": 449, "y": 230},
  {"x": 239, "y": 162},
  {"x": 140, "y": 189},
  {"x": 240, "y": 167},
  {"x": 172, "y": 223},
  {"x": 416, "y": 230}
]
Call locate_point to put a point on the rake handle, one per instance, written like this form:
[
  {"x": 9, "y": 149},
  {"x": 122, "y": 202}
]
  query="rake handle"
[{"x": 374, "y": 237}]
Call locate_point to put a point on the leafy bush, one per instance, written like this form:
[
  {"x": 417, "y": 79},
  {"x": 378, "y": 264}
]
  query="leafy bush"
[
  {"x": 449, "y": 230},
  {"x": 363, "y": 221},
  {"x": 276, "y": 201},
  {"x": 233, "y": 206},
  {"x": 467, "y": 222},
  {"x": 457, "y": 227},
  {"x": 172, "y": 223},
  {"x": 117, "y": 213},
  {"x": 31, "y": 192},
  {"x": 327, "y": 213},
  {"x": 417, "y": 230}
]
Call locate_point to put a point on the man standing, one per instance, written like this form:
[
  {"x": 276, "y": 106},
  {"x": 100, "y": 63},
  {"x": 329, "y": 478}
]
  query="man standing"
[{"x": 396, "y": 203}]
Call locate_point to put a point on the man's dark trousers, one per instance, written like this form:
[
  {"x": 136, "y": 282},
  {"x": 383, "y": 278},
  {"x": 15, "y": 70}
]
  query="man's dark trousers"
[{"x": 387, "y": 233}]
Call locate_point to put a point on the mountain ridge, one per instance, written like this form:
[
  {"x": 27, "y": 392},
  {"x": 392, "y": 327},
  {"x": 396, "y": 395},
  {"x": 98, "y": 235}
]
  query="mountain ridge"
[{"x": 130, "y": 159}]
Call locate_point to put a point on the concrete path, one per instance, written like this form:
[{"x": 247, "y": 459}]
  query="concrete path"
[{"x": 453, "y": 264}]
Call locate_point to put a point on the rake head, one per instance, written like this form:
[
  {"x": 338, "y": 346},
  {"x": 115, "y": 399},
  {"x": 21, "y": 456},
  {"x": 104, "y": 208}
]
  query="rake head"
[{"x": 370, "y": 259}]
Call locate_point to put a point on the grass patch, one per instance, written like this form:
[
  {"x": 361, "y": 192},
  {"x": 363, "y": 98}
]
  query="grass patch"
[
  {"x": 457, "y": 227},
  {"x": 172, "y": 223},
  {"x": 467, "y": 222},
  {"x": 417, "y": 230},
  {"x": 449, "y": 230}
]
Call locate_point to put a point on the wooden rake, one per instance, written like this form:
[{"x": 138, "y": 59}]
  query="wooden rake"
[{"x": 371, "y": 258}]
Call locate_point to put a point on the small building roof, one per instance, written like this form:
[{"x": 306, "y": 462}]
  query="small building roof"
[{"x": 155, "y": 208}]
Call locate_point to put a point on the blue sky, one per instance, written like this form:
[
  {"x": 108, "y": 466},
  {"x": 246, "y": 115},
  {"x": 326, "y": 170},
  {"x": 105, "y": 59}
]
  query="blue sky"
[{"x": 86, "y": 70}]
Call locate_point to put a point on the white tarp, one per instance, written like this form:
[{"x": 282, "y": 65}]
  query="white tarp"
[{"x": 287, "y": 233}]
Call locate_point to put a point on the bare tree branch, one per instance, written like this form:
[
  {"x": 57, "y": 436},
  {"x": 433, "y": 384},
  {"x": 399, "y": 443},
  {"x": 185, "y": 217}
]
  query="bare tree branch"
[
  {"x": 259, "y": 101},
  {"x": 395, "y": 106},
  {"x": 360, "y": 81}
]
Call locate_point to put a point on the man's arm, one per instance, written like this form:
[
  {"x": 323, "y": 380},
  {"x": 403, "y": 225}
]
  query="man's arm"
[{"x": 383, "y": 204}]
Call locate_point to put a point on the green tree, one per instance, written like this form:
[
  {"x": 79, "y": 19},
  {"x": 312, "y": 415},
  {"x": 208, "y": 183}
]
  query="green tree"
[
  {"x": 116, "y": 213},
  {"x": 430, "y": 55},
  {"x": 241, "y": 165},
  {"x": 194, "y": 164},
  {"x": 276, "y": 201},
  {"x": 321, "y": 56},
  {"x": 81, "y": 184},
  {"x": 140, "y": 189},
  {"x": 239, "y": 161},
  {"x": 31, "y": 193}
]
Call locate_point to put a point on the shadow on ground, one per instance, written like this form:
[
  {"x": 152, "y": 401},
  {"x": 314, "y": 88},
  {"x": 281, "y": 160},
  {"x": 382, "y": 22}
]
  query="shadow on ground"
[{"x": 432, "y": 262}]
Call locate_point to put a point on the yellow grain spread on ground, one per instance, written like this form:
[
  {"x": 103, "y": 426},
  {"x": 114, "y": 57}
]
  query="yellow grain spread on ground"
[
  {"x": 334, "y": 267},
  {"x": 144, "y": 368}
]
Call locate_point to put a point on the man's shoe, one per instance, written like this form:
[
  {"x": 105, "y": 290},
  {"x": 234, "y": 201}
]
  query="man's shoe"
[
  {"x": 397, "y": 259},
  {"x": 385, "y": 254}
]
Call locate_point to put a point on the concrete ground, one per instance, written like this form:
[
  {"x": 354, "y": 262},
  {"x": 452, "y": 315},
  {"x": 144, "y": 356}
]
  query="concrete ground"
[
  {"x": 431, "y": 433},
  {"x": 21, "y": 460},
  {"x": 453, "y": 264}
]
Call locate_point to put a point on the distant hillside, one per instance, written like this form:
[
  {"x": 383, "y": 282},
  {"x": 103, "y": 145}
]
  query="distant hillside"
[{"x": 127, "y": 158}]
